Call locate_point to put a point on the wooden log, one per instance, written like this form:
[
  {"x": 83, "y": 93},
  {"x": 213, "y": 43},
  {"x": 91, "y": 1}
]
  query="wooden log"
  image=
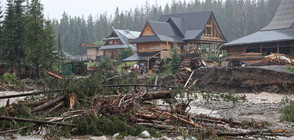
[
  {"x": 157, "y": 95},
  {"x": 27, "y": 94},
  {"x": 14, "y": 130},
  {"x": 158, "y": 126},
  {"x": 184, "y": 120},
  {"x": 47, "y": 104},
  {"x": 189, "y": 79},
  {"x": 250, "y": 133},
  {"x": 55, "y": 107},
  {"x": 35, "y": 121}
]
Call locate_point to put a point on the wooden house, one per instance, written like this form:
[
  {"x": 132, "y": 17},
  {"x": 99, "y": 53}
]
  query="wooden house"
[
  {"x": 187, "y": 32},
  {"x": 276, "y": 37},
  {"x": 92, "y": 51},
  {"x": 118, "y": 40}
]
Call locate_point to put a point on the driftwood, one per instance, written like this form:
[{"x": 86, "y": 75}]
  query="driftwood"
[
  {"x": 158, "y": 126},
  {"x": 35, "y": 121},
  {"x": 15, "y": 130},
  {"x": 54, "y": 108},
  {"x": 157, "y": 95},
  {"x": 184, "y": 120},
  {"x": 250, "y": 133},
  {"x": 27, "y": 94},
  {"x": 189, "y": 79},
  {"x": 47, "y": 104}
]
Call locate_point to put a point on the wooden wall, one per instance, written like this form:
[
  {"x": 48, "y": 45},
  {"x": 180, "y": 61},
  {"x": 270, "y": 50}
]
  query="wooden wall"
[
  {"x": 113, "y": 42},
  {"x": 92, "y": 53},
  {"x": 147, "y": 31}
]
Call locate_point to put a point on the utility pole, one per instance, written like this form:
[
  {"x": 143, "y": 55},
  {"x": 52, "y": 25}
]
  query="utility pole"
[{"x": 60, "y": 54}]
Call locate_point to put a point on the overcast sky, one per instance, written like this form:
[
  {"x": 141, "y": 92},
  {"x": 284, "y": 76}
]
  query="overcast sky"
[{"x": 55, "y": 8}]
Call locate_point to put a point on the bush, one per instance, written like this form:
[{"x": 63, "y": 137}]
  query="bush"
[
  {"x": 107, "y": 126},
  {"x": 9, "y": 78},
  {"x": 288, "y": 113}
]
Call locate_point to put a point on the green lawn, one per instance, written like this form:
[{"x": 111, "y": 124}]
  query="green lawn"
[{"x": 91, "y": 64}]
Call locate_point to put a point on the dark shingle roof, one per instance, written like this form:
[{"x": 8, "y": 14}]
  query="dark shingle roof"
[
  {"x": 113, "y": 47},
  {"x": 284, "y": 17},
  {"x": 193, "y": 21},
  {"x": 141, "y": 56},
  {"x": 178, "y": 27},
  {"x": 157, "y": 38},
  {"x": 264, "y": 36},
  {"x": 162, "y": 28},
  {"x": 279, "y": 29}
]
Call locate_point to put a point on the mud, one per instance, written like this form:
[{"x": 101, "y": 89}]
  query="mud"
[
  {"x": 244, "y": 80},
  {"x": 260, "y": 107}
]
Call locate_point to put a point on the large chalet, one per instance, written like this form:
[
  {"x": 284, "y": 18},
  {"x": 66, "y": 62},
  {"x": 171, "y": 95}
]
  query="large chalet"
[
  {"x": 187, "y": 32},
  {"x": 118, "y": 40}
]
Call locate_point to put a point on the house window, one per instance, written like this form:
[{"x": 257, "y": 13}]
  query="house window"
[
  {"x": 110, "y": 42},
  {"x": 208, "y": 31}
]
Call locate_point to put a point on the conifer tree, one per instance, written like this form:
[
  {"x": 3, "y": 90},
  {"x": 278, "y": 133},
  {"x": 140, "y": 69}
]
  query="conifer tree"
[{"x": 39, "y": 38}]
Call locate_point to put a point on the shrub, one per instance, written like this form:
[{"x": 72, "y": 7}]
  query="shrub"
[
  {"x": 9, "y": 78},
  {"x": 288, "y": 113}
]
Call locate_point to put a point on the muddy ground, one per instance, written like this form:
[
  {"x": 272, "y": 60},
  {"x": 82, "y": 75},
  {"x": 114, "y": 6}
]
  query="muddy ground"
[
  {"x": 261, "y": 108},
  {"x": 272, "y": 79}
]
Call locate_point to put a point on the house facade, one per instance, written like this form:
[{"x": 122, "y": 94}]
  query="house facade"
[
  {"x": 118, "y": 40},
  {"x": 187, "y": 32},
  {"x": 276, "y": 37},
  {"x": 92, "y": 51}
]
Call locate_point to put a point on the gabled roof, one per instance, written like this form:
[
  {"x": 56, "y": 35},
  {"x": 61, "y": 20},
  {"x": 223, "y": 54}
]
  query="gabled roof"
[
  {"x": 284, "y": 17},
  {"x": 192, "y": 21},
  {"x": 264, "y": 36},
  {"x": 178, "y": 24},
  {"x": 179, "y": 27},
  {"x": 281, "y": 28},
  {"x": 91, "y": 45},
  {"x": 123, "y": 35},
  {"x": 141, "y": 56},
  {"x": 162, "y": 28},
  {"x": 114, "y": 47}
]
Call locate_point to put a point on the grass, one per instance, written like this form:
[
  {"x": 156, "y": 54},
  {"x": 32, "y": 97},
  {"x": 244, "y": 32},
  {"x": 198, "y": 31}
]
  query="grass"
[
  {"x": 290, "y": 68},
  {"x": 91, "y": 64}
]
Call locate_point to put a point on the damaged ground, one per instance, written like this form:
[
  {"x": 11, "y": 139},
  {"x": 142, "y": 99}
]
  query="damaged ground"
[
  {"x": 273, "y": 79},
  {"x": 109, "y": 103}
]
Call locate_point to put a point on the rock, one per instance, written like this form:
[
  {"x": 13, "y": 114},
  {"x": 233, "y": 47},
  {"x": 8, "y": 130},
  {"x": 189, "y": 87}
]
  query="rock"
[
  {"x": 191, "y": 138},
  {"x": 179, "y": 138},
  {"x": 116, "y": 135},
  {"x": 145, "y": 134},
  {"x": 165, "y": 138},
  {"x": 98, "y": 138}
]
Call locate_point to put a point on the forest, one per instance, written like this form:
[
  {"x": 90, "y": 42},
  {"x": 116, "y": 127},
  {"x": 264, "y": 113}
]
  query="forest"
[
  {"x": 236, "y": 18},
  {"x": 27, "y": 39}
]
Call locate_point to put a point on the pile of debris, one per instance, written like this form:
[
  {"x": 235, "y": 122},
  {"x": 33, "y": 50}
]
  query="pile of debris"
[
  {"x": 60, "y": 110},
  {"x": 277, "y": 59},
  {"x": 191, "y": 60}
]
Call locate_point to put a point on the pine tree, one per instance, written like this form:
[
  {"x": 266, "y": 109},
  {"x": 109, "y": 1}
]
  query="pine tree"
[
  {"x": 1, "y": 16},
  {"x": 12, "y": 34},
  {"x": 39, "y": 38}
]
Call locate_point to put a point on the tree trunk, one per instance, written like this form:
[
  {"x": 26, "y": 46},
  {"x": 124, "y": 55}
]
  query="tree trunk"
[{"x": 37, "y": 74}]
